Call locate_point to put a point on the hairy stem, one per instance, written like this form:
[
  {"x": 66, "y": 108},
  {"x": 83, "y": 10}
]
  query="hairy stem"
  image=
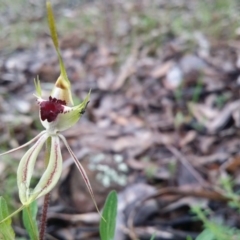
[
  {"x": 43, "y": 222},
  {"x": 44, "y": 216}
]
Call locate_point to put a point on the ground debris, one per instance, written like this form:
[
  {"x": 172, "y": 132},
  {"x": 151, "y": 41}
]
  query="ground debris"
[{"x": 162, "y": 125}]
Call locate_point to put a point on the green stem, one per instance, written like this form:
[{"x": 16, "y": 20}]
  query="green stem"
[
  {"x": 46, "y": 197},
  {"x": 17, "y": 211}
]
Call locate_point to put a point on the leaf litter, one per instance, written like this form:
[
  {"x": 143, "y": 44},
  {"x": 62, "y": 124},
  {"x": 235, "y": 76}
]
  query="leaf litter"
[{"x": 162, "y": 126}]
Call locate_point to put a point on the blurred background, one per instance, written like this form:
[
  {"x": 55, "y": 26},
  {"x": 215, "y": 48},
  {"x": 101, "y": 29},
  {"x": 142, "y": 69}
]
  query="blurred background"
[{"x": 162, "y": 125}]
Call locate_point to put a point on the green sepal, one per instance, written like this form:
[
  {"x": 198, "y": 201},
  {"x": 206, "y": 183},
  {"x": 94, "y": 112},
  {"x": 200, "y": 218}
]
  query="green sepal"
[
  {"x": 53, "y": 31},
  {"x": 62, "y": 89}
]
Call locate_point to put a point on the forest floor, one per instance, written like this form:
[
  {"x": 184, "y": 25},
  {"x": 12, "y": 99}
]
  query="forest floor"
[{"x": 163, "y": 123}]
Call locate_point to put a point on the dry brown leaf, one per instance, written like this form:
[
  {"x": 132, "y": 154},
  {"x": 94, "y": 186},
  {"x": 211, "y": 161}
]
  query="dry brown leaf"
[{"x": 162, "y": 70}]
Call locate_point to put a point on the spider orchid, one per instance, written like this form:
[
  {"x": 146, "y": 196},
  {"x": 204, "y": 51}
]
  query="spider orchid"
[{"x": 56, "y": 114}]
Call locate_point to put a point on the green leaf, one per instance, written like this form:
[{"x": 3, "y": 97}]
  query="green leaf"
[
  {"x": 29, "y": 220},
  {"x": 153, "y": 236},
  {"x": 6, "y": 231},
  {"x": 206, "y": 235},
  {"x": 108, "y": 222}
]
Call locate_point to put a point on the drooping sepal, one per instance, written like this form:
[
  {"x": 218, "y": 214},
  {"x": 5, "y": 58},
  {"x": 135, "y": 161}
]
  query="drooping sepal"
[
  {"x": 81, "y": 170},
  {"x": 62, "y": 88}
]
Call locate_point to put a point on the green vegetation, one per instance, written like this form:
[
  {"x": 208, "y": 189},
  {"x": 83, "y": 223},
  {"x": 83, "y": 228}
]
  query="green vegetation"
[
  {"x": 22, "y": 22},
  {"x": 212, "y": 229},
  {"x": 30, "y": 220},
  {"x": 6, "y": 231}
]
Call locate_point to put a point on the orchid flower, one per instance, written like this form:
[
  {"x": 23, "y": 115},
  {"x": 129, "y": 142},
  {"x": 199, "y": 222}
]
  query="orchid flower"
[{"x": 57, "y": 113}]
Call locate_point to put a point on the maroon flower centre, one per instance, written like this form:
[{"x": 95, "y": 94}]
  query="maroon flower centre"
[{"x": 50, "y": 109}]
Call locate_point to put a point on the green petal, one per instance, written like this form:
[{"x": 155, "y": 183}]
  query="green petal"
[
  {"x": 24, "y": 145},
  {"x": 25, "y": 168},
  {"x": 53, "y": 172},
  {"x": 71, "y": 116}
]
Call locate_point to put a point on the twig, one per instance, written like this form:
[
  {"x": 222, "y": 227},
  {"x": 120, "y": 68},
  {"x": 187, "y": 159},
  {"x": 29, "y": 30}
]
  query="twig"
[
  {"x": 127, "y": 69},
  {"x": 197, "y": 192},
  {"x": 187, "y": 165}
]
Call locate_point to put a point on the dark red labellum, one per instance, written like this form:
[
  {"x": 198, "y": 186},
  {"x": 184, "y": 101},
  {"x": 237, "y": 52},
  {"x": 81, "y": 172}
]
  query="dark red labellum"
[{"x": 50, "y": 109}]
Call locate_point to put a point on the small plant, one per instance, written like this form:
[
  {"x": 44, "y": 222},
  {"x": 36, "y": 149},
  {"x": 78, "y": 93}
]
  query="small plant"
[
  {"x": 197, "y": 91},
  {"x": 214, "y": 230},
  {"x": 227, "y": 184}
]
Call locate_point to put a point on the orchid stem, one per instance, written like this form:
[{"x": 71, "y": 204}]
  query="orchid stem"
[
  {"x": 44, "y": 217},
  {"x": 43, "y": 222}
]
